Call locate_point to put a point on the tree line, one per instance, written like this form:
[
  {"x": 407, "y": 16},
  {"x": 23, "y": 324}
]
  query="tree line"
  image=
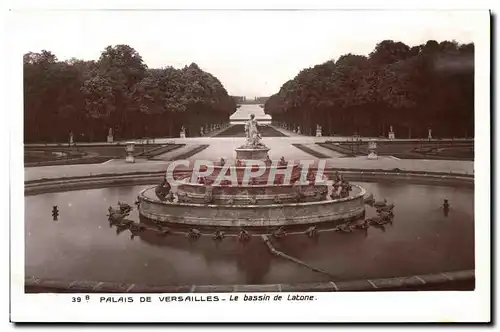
[
  {"x": 410, "y": 88},
  {"x": 117, "y": 91}
]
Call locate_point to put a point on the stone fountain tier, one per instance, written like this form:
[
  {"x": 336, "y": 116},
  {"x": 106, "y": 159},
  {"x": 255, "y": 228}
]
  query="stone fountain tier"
[
  {"x": 256, "y": 194},
  {"x": 239, "y": 173},
  {"x": 235, "y": 216}
]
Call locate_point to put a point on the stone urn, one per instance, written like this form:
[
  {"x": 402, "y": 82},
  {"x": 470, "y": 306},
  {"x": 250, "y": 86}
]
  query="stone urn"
[{"x": 130, "y": 148}]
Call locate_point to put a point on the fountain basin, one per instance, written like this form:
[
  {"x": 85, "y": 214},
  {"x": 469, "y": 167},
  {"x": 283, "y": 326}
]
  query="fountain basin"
[{"x": 246, "y": 215}]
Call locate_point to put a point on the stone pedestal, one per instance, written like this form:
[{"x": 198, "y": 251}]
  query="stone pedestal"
[
  {"x": 430, "y": 134},
  {"x": 251, "y": 154},
  {"x": 298, "y": 130},
  {"x": 71, "y": 139},
  {"x": 110, "y": 139},
  {"x": 130, "y": 152},
  {"x": 319, "y": 131}
]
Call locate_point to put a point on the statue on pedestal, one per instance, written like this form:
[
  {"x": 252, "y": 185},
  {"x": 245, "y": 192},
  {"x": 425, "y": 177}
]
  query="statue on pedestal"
[
  {"x": 391, "y": 133},
  {"x": 319, "y": 131},
  {"x": 110, "y": 135},
  {"x": 183, "y": 132},
  {"x": 252, "y": 133}
]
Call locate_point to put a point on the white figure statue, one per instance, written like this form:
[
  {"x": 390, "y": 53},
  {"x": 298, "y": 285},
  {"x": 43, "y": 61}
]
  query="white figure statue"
[
  {"x": 252, "y": 132},
  {"x": 319, "y": 131},
  {"x": 391, "y": 133},
  {"x": 110, "y": 135}
]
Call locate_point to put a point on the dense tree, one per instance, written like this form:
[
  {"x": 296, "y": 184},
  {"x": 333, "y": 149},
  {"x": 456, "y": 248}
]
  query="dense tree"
[
  {"x": 409, "y": 88},
  {"x": 117, "y": 91}
]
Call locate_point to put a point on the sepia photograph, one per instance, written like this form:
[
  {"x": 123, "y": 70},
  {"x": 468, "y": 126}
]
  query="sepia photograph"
[{"x": 204, "y": 156}]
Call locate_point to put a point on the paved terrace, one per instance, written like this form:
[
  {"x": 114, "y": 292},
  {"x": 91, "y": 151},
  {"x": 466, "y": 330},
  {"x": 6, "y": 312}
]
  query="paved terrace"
[
  {"x": 120, "y": 167},
  {"x": 292, "y": 138}
]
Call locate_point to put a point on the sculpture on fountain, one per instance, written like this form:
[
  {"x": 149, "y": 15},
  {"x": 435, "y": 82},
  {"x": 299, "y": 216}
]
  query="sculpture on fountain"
[
  {"x": 252, "y": 133},
  {"x": 253, "y": 149},
  {"x": 244, "y": 236},
  {"x": 163, "y": 191}
]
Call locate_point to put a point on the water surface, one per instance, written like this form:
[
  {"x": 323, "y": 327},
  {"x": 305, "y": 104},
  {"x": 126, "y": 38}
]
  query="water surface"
[{"x": 81, "y": 245}]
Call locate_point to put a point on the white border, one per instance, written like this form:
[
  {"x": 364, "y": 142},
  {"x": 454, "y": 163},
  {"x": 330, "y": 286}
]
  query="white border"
[{"x": 345, "y": 307}]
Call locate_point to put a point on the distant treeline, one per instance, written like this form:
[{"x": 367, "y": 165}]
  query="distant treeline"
[
  {"x": 411, "y": 88},
  {"x": 117, "y": 91}
]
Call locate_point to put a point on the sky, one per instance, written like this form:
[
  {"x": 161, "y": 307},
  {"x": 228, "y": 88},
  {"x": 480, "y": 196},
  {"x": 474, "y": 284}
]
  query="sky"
[{"x": 251, "y": 52}]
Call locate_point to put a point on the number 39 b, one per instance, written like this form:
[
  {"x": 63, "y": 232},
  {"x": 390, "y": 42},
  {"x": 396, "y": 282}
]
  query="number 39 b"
[{"x": 78, "y": 299}]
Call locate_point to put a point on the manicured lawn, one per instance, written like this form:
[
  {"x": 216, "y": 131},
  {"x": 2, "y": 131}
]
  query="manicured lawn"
[
  {"x": 64, "y": 155},
  {"x": 409, "y": 150}
]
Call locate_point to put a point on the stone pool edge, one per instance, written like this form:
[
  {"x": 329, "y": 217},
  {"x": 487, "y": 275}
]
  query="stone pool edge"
[
  {"x": 463, "y": 280},
  {"x": 39, "y": 186}
]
